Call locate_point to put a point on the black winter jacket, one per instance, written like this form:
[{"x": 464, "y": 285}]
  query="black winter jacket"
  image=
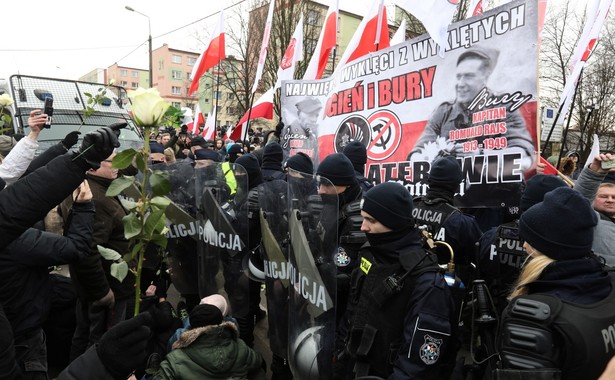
[{"x": 24, "y": 277}]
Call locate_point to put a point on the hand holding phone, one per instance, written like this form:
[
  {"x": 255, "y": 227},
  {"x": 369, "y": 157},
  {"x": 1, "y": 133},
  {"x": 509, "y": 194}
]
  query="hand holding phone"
[{"x": 48, "y": 110}]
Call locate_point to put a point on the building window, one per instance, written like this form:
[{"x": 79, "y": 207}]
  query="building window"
[
  {"x": 206, "y": 100},
  {"x": 134, "y": 74},
  {"x": 230, "y": 96},
  {"x": 217, "y": 95},
  {"x": 188, "y": 75},
  {"x": 124, "y": 83},
  {"x": 176, "y": 74},
  {"x": 176, "y": 104},
  {"x": 312, "y": 17},
  {"x": 191, "y": 61},
  {"x": 134, "y": 84},
  {"x": 176, "y": 59},
  {"x": 231, "y": 81},
  {"x": 123, "y": 73},
  {"x": 175, "y": 90},
  {"x": 230, "y": 110}
]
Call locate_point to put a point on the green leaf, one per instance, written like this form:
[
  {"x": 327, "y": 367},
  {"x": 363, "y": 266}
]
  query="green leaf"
[
  {"x": 87, "y": 94},
  {"x": 119, "y": 184},
  {"x": 123, "y": 159},
  {"x": 160, "y": 183},
  {"x": 132, "y": 226},
  {"x": 159, "y": 240},
  {"x": 141, "y": 162},
  {"x": 152, "y": 221},
  {"x": 119, "y": 270},
  {"x": 134, "y": 252},
  {"x": 128, "y": 204},
  {"x": 108, "y": 253},
  {"x": 160, "y": 202}
]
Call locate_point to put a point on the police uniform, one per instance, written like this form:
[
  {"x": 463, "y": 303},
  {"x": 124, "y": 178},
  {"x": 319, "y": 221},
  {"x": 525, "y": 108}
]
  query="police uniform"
[
  {"x": 564, "y": 319},
  {"x": 404, "y": 332},
  {"x": 447, "y": 223}
]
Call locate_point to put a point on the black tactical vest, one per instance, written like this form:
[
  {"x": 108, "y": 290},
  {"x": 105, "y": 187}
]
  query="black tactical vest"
[
  {"x": 432, "y": 213},
  {"x": 542, "y": 331}
]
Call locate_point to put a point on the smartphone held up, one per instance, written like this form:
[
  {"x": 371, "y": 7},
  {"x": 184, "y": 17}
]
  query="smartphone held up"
[{"x": 48, "y": 110}]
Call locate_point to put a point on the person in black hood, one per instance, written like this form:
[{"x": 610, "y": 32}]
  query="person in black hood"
[
  {"x": 272, "y": 162},
  {"x": 342, "y": 184},
  {"x": 243, "y": 292},
  {"x": 357, "y": 154},
  {"x": 443, "y": 220},
  {"x": 414, "y": 320}
]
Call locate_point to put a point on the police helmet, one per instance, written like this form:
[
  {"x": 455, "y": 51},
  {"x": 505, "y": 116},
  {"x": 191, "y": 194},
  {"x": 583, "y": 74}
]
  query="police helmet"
[
  {"x": 304, "y": 355},
  {"x": 254, "y": 266}
]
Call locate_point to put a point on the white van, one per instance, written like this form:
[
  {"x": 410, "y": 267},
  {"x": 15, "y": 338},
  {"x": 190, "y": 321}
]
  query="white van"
[{"x": 69, "y": 103}]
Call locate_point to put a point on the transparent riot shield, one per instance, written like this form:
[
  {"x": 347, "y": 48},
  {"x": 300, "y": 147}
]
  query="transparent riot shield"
[
  {"x": 182, "y": 235},
  {"x": 222, "y": 231},
  {"x": 313, "y": 231},
  {"x": 273, "y": 254}
]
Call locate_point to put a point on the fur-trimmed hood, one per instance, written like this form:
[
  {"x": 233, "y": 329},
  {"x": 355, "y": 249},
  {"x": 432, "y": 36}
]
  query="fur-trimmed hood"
[{"x": 190, "y": 336}]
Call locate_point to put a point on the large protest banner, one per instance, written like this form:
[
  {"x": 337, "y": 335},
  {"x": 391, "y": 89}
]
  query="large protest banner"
[{"x": 410, "y": 106}]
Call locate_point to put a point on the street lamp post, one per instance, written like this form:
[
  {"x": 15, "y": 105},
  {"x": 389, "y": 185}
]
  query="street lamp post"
[{"x": 149, "y": 25}]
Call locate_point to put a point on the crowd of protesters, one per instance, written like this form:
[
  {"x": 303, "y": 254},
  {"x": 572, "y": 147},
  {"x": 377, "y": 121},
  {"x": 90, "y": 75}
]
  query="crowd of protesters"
[{"x": 400, "y": 311}]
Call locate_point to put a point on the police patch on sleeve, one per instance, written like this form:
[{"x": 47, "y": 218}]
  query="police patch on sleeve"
[
  {"x": 430, "y": 350},
  {"x": 341, "y": 258}
]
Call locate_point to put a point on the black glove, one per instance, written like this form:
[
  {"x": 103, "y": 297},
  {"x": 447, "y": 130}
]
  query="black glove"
[
  {"x": 70, "y": 139},
  {"x": 184, "y": 129},
  {"x": 172, "y": 131},
  {"x": 162, "y": 315},
  {"x": 123, "y": 348},
  {"x": 98, "y": 145},
  {"x": 278, "y": 129}
]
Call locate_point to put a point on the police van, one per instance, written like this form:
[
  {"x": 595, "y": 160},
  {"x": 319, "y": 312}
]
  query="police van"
[{"x": 71, "y": 111}]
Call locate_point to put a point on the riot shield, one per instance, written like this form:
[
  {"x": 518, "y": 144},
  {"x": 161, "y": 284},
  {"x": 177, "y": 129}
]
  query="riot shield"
[
  {"x": 274, "y": 255},
  {"x": 182, "y": 235},
  {"x": 313, "y": 232},
  {"x": 222, "y": 230}
]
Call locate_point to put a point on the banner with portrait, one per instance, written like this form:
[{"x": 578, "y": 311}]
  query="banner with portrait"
[{"x": 409, "y": 106}]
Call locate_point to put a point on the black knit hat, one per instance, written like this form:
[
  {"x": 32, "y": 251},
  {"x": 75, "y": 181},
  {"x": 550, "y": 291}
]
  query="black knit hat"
[
  {"x": 206, "y": 154},
  {"x": 253, "y": 169},
  {"x": 357, "y": 154},
  {"x": 205, "y": 315},
  {"x": 389, "y": 203},
  {"x": 300, "y": 162},
  {"x": 445, "y": 170},
  {"x": 338, "y": 169},
  {"x": 561, "y": 226},
  {"x": 537, "y": 187},
  {"x": 273, "y": 156}
]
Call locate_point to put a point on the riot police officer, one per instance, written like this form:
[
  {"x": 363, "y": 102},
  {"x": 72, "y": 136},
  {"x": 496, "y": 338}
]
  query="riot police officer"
[
  {"x": 501, "y": 252},
  {"x": 357, "y": 154},
  {"x": 561, "y": 318},
  {"x": 338, "y": 169},
  {"x": 400, "y": 318},
  {"x": 447, "y": 223}
]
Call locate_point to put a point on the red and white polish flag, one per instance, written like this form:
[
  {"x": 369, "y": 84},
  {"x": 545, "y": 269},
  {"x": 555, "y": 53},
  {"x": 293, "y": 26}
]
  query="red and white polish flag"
[
  {"x": 263, "y": 107},
  {"x": 293, "y": 54},
  {"x": 326, "y": 42},
  {"x": 214, "y": 53},
  {"x": 264, "y": 46}
]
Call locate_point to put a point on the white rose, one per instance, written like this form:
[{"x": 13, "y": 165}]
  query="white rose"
[
  {"x": 148, "y": 107},
  {"x": 5, "y": 100}
]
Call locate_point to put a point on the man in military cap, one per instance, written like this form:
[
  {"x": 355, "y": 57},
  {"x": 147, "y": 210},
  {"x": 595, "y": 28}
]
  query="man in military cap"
[
  {"x": 302, "y": 134},
  {"x": 474, "y": 67}
]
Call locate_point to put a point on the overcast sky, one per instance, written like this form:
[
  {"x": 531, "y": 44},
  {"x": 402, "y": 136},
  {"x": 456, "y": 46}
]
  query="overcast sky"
[{"x": 68, "y": 38}]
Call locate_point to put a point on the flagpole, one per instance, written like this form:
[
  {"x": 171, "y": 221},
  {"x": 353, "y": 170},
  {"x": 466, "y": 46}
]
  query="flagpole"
[
  {"x": 249, "y": 114},
  {"x": 569, "y": 118},
  {"x": 217, "y": 98},
  {"x": 559, "y": 111}
]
